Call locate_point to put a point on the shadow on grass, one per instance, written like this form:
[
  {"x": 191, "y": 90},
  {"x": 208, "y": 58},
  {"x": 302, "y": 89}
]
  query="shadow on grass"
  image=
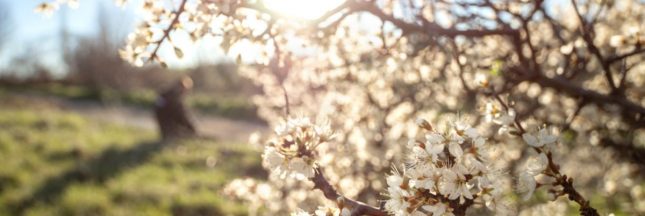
[{"x": 108, "y": 164}]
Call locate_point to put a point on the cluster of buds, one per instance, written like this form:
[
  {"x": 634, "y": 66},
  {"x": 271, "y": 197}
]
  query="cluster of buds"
[
  {"x": 444, "y": 174},
  {"x": 293, "y": 152}
]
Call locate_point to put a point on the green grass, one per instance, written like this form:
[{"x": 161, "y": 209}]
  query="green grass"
[
  {"x": 230, "y": 106},
  {"x": 58, "y": 163}
]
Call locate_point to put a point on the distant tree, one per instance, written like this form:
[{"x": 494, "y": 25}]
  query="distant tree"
[{"x": 94, "y": 61}]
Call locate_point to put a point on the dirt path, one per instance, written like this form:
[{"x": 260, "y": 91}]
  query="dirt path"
[{"x": 207, "y": 125}]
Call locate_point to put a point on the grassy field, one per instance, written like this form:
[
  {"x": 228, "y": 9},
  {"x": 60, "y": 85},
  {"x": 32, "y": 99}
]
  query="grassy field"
[
  {"x": 55, "y": 162},
  {"x": 230, "y": 106},
  {"x": 58, "y": 163}
]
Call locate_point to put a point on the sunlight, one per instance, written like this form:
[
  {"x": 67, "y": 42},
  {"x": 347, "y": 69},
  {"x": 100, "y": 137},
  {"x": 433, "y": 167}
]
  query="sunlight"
[{"x": 302, "y": 9}]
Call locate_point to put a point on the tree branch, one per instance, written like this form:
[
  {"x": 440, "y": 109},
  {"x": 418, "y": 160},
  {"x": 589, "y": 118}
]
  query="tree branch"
[
  {"x": 166, "y": 32},
  {"x": 357, "y": 208},
  {"x": 430, "y": 29},
  {"x": 569, "y": 190},
  {"x": 587, "y": 31},
  {"x": 627, "y": 152},
  {"x": 562, "y": 85},
  {"x": 616, "y": 58}
]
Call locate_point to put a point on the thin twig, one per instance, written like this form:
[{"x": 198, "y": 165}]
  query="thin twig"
[
  {"x": 587, "y": 31},
  {"x": 287, "y": 110},
  {"x": 357, "y": 208},
  {"x": 614, "y": 59},
  {"x": 562, "y": 85},
  {"x": 430, "y": 29},
  {"x": 568, "y": 189},
  {"x": 507, "y": 109},
  {"x": 166, "y": 32}
]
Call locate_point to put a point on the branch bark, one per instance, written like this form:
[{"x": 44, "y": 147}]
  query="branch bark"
[
  {"x": 587, "y": 34},
  {"x": 627, "y": 152},
  {"x": 429, "y": 28},
  {"x": 166, "y": 32},
  {"x": 357, "y": 208},
  {"x": 565, "y": 86},
  {"x": 617, "y": 58},
  {"x": 568, "y": 189}
]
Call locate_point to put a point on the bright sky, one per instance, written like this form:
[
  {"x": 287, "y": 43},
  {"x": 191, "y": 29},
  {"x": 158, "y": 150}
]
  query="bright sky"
[{"x": 37, "y": 35}]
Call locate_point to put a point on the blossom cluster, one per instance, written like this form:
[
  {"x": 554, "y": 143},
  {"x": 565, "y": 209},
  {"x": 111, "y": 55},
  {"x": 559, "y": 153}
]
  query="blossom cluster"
[
  {"x": 293, "y": 152},
  {"x": 536, "y": 165},
  {"x": 239, "y": 187},
  {"x": 254, "y": 192},
  {"x": 324, "y": 211},
  {"x": 632, "y": 37},
  {"x": 48, "y": 8},
  {"x": 496, "y": 114},
  {"x": 445, "y": 172},
  {"x": 371, "y": 80}
]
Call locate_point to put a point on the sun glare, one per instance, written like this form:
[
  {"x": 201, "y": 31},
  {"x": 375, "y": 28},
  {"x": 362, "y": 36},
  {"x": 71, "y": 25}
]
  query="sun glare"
[{"x": 302, "y": 9}]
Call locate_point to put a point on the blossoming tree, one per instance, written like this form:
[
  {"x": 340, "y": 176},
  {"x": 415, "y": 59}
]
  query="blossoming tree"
[{"x": 510, "y": 96}]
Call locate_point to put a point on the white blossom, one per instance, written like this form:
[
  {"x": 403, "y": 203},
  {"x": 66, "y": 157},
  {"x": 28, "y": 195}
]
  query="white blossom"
[
  {"x": 397, "y": 203},
  {"x": 617, "y": 41},
  {"x": 462, "y": 172},
  {"x": 527, "y": 185},
  {"x": 505, "y": 118},
  {"x": 329, "y": 211},
  {"x": 537, "y": 165},
  {"x": 301, "y": 169},
  {"x": 302, "y": 122},
  {"x": 422, "y": 177},
  {"x": 454, "y": 184},
  {"x": 455, "y": 149},
  {"x": 324, "y": 131},
  {"x": 46, "y": 9},
  {"x": 542, "y": 138},
  {"x": 292, "y": 154},
  {"x": 273, "y": 160},
  {"x": 494, "y": 113},
  {"x": 434, "y": 138},
  {"x": 300, "y": 212},
  {"x": 481, "y": 80},
  {"x": 438, "y": 209}
]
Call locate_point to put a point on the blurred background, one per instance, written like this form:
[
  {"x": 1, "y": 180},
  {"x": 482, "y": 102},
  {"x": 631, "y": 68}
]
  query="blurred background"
[
  {"x": 78, "y": 135},
  {"x": 83, "y": 132}
]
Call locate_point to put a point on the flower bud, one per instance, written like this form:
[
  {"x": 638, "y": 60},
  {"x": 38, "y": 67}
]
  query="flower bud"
[{"x": 422, "y": 123}]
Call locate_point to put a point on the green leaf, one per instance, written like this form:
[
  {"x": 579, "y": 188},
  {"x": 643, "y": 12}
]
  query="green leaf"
[
  {"x": 569, "y": 135},
  {"x": 496, "y": 67}
]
